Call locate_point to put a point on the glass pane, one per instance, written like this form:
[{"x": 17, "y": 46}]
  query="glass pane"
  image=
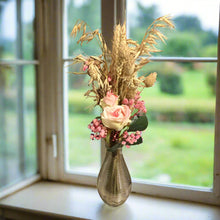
[
  {"x": 27, "y": 16},
  {"x": 16, "y": 29},
  {"x": 82, "y": 154},
  {"x": 178, "y": 144},
  {"x": 18, "y": 155},
  {"x": 88, "y": 11},
  {"x": 196, "y": 25}
]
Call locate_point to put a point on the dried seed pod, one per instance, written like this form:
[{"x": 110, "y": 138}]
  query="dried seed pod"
[{"x": 150, "y": 79}]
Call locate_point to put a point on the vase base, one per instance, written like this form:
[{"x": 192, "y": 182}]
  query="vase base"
[{"x": 113, "y": 202}]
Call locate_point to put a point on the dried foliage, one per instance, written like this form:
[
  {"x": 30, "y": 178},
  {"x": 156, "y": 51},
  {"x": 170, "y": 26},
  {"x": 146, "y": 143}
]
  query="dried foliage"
[{"x": 116, "y": 70}]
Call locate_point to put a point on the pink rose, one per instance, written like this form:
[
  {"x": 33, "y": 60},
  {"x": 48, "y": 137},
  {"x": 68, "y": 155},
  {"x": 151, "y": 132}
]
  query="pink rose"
[
  {"x": 116, "y": 117},
  {"x": 109, "y": 100}
]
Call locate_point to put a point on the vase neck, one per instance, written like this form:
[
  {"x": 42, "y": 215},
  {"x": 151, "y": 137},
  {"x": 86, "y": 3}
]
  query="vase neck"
[{"x": 116, "y": 152}]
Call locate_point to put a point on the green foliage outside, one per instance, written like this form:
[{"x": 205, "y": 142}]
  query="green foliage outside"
[
  {"x": 170, "y": 79},
  {"x": 188, "y": 39},
  {"x": 182, "y": 44},
  {"x": 211, "y": 80}
]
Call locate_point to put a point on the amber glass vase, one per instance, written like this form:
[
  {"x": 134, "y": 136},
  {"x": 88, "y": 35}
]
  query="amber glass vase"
[{"x": 114, "y": 180}]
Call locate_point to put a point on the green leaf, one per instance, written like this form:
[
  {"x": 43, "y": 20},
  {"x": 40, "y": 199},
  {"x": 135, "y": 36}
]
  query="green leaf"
[
  {"x": 123, "y": 130},
  {"x": 114, "y": 147},
  {"x": 139, "y": 141},
  {"x": 139, "y": 124}
]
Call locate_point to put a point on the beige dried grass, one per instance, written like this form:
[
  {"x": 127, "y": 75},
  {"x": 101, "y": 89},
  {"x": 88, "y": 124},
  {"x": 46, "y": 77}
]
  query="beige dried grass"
[{"x": 127, "y": 57}]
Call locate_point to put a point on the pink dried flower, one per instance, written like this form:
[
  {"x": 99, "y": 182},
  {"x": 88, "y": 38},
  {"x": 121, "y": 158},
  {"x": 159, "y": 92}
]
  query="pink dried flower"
[
  {"x": 98, "y": 129},
  {"x": 125, "y": 101},
  {"x": 85, "y": 67},
  {"x": 129, "y": 139},
  {"x": 131, "y": 102},
  {"x": 95, "y": 120},
  {"x": 137, "y": 97},
  {"x": 135, "y": 103},
  {"x": 98, "y": 137},
  {"x": 138, "y": 136},
  {"x": 102, "y": 132},
  {"x": 132, "y": 135},
  {"x": 92, "y": 136},
  {"x": 140, "y": 106}
]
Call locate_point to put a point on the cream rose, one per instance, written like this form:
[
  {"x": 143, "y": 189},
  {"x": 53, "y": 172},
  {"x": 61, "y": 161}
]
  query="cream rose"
[
  {"x": 116, "y": 117},
  {"x": 109, "y": 100}
]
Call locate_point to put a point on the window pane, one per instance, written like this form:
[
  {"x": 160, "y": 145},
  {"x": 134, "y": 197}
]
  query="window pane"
[
  {"x": 82, "y": 155},
  {"x": 16, "y": 29},
  {"x": 196, "y": 25},
  {"x": 88, "y": 11},
  {"x": 178, "y": 144},
  {"x": 18, "y": 156}
]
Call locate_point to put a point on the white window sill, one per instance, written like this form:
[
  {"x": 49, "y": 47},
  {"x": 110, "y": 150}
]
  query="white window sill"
[{"x": 49, "y": 200}]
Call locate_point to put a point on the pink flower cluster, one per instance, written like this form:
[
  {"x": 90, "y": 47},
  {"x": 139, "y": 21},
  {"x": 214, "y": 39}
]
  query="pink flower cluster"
[
  {"x": 136, "y": 103},
  {"x": 130, "y": 138},
  {"x": 140, "y": 106},
  {"x": 98, "y": 129},
  {"x": 115, "y": 136}
]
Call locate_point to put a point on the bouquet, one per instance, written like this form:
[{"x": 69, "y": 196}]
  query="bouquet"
[{"x": 114, "y": 82}]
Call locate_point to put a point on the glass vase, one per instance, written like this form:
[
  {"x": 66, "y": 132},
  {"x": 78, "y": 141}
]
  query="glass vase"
[{"x": 114, "y": 180}]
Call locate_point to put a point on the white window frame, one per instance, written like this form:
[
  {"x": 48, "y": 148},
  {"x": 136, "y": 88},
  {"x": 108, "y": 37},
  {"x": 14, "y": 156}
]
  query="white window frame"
[{"x": 50, "y": 111}]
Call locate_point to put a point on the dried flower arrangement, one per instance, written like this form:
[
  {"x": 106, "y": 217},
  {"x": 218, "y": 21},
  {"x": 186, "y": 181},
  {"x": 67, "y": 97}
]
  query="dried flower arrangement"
[{"x": 114, "y": 82}]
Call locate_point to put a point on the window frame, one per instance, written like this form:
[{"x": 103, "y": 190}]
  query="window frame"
[{"x": 49, "y": 16}]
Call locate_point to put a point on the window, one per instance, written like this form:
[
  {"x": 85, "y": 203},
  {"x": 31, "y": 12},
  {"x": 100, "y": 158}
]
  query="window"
[
  {"x": 180, "y": 158},
  {"x": 18, "y": 128}
]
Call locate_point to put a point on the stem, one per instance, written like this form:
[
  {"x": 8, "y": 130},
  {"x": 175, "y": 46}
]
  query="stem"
[
  {"x": 134, "y": 113},
  {"x": 108, "y": 138}
]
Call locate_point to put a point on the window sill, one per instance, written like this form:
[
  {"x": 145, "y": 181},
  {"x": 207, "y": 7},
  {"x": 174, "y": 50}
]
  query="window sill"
[{"x": 49, "y": 200}]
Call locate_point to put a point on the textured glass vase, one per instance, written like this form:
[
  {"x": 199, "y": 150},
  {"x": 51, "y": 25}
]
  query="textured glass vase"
[{"x": 114, "y": 180}]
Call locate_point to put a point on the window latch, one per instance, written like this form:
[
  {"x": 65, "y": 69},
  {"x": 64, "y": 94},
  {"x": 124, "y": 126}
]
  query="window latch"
[{"x": 52, "y": 141}]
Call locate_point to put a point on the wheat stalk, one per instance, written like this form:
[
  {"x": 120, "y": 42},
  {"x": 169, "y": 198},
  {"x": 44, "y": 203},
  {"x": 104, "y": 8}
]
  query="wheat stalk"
[{"x": 120, "y": 76}]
